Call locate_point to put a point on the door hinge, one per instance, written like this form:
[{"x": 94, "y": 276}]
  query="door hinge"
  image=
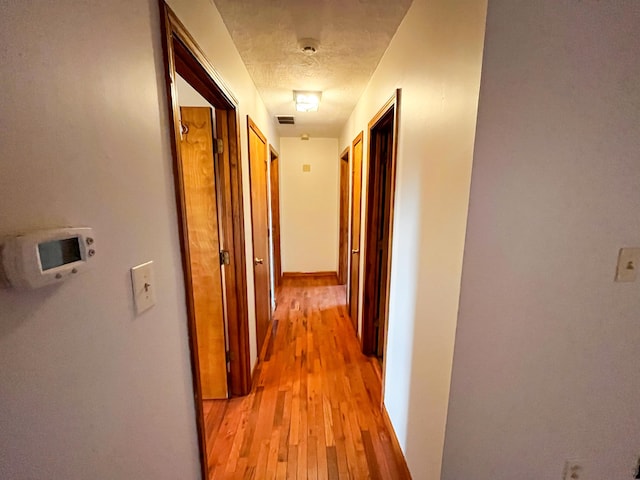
[
  {"x": 219, "y": 145},
  {"x": 225, "y": 258},
  {"x": 229, "y": 356}
]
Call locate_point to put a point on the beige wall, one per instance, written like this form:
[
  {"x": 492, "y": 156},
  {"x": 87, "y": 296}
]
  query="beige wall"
[
  {"x": 89, "y": 390},
  {"x": 435, "y": 57},
  {"x": 546, "y": 359},
  {"x": 189, "y": 96},
  {"x": 309, "y": 204}
]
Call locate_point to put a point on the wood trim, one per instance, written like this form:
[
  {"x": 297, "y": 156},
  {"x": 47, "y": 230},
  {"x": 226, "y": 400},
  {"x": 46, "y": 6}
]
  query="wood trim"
[
  {"x": 186, "y": 50},
  {"x": 167, "y": 28},
  {"x": 183, "y": 35},
  {"x": 251, "y": 125},
  {"x": 353, "y": 309},
  {"x": 235, "y": 278},
  {"x": 181, "y": 52},
  {"x": 395, "y": 444},
  {"x": 367, "y": 339},
  {"x": 343, "y": 216},
  {"x": 383, "y": 110},
  {"x": 309, "y": 274},
  {"x": 394, "y": 158},
  {"x": 276, "y": 234},
  {"x": 359, "y": 138},
  {"x": 239, "y": 244}
]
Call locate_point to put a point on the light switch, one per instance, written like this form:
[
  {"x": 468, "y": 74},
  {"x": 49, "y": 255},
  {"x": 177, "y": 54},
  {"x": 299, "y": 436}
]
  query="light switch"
[
  {"x": 306, "y": 168},
  {"x": 628, "y": 265},
  {"x": 144, "y": 289}
]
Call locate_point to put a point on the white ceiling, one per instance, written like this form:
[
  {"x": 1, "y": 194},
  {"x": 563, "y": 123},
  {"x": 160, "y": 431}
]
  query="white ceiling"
[{"x": 352, "y": 36}]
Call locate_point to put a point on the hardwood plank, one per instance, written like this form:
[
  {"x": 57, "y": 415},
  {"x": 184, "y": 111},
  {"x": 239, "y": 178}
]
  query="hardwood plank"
[
  {"x": 374, "y": 468},
  {"x": 332, "y": 462},
  {"x": 314, "y": 412},
  {"x": 292, "y": 462}
]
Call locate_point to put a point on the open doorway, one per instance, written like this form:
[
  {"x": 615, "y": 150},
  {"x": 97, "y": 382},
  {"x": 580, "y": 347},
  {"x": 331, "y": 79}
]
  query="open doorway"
[
  {"x": 208, "y": 186},
  {"x": 383, "y": 130}
]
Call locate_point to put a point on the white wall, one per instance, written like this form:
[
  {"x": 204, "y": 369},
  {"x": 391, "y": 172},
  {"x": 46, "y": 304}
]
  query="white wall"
[
  {"x": 309, "y": 204},
  {"x": 435, "y": 57},
  {"x": 546, "y": 359},
  {"x": 205, "y": 24},
  {"x": 87, "y": 389}
]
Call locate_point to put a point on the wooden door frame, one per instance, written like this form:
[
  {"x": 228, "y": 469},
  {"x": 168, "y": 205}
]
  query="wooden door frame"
[
  {"x": 343, "y": 247},
  {"x": 251, "y": 125},
  {"x": 354, "y": 308},
  {"x": 368, "y": 328},
  {"x": 182, "y": 54},
  {"x": 277, "y": 249}
]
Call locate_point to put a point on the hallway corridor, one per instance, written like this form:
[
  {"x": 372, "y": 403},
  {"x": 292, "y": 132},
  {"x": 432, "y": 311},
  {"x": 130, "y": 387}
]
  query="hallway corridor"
[{"x": 314, "y": 410}]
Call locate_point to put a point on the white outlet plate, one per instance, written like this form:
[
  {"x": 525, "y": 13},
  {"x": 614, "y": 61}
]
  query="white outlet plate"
[
  {"x": 628, "y": 265},
  {"x": 144, "y": 293}
]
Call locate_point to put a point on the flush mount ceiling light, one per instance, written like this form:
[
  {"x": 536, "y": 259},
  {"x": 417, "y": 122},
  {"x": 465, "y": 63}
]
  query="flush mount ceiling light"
[{"x": 307, "y": 101}]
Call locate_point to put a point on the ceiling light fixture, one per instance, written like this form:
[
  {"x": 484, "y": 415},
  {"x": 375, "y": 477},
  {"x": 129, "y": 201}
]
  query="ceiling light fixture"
[{"x": 307, "y": 101}]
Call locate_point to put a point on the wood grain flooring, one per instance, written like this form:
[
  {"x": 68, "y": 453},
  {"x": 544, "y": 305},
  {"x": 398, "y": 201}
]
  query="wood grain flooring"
[{"x": 314, "y": 410}]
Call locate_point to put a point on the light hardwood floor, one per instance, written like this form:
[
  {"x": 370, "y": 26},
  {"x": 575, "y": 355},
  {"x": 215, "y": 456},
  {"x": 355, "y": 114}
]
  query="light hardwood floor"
[{"x": 314, "y": 411}]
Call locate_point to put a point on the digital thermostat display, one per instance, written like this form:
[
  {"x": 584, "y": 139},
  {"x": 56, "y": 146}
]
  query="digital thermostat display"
[
  {"x": 59, "y": 252},
  {"x": 45, "y": 257}
]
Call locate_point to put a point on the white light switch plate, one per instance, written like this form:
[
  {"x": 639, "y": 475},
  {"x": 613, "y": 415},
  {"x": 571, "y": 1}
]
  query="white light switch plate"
[
  {"x": 144, "y": 294},
  {"x": 628, "y": 265}
]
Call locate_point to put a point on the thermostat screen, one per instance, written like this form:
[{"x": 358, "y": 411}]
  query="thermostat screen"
[{"x": 59, "y": 252}]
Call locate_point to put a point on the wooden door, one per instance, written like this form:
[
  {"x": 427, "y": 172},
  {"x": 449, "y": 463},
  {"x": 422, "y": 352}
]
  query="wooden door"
[
  {"x": 199, "y": 178},
  {"x": 383, "y": 131},
  {"x": 343, "y": 251},
  {"x": 274, "y": 174},
  {"x": 260, "y": 226},
  {"x": 378, "y": 228},
  {"x": 356, "y": 213}
]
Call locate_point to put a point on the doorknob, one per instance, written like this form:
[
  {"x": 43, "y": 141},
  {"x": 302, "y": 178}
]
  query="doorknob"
[
  {"x": 355, "y": 251},
  {"x": 258, "y": 261}
]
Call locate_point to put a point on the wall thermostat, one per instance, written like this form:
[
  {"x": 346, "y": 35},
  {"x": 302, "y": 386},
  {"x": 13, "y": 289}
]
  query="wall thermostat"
[{"x": 45, "y": 257}]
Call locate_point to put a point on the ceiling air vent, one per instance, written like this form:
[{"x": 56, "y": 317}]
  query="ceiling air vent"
[{"x": 286, "y": 119}]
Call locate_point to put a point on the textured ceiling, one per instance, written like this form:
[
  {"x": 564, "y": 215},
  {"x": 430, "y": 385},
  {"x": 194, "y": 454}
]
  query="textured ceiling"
[{"x": 352, "y": 36}]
